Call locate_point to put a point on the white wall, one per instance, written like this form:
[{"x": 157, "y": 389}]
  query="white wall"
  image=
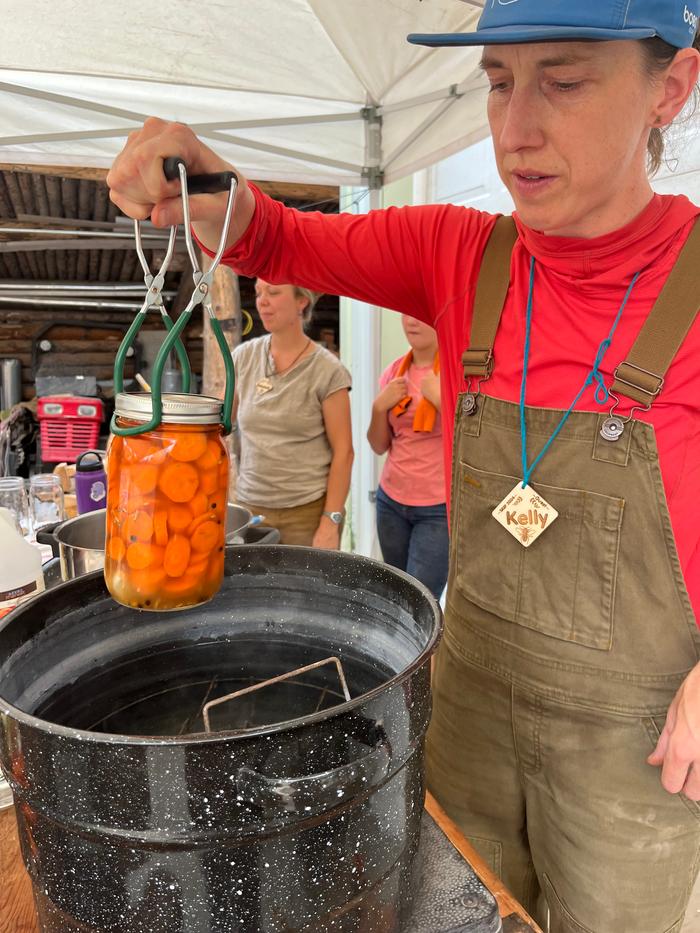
[
  {"x": 681, "y": 173},
  {"x": 470, "y": 177}
]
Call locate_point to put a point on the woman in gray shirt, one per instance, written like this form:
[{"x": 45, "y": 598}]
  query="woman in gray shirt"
[{"x": 292, "y": 407}]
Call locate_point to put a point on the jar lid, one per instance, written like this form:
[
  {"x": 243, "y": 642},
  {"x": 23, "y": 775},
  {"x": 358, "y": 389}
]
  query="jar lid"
[
  {"x": 178, "y": 408},
  {"x": 83, "y": 465}
]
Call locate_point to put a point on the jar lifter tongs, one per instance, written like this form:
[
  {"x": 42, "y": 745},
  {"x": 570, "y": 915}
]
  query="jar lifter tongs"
[{"x": 196, "y": 184}]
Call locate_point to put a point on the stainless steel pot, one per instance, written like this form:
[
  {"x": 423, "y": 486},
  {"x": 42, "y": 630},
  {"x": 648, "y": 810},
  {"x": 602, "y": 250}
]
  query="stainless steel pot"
[
  {"x": 81, "y": 544},
  {"x": 81, "y": 541}
]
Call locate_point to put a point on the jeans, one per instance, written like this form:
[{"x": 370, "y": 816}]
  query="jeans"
[{"x": 414, "y": 538}]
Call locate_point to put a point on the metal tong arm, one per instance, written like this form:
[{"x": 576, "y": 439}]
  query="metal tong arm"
[
  {"x": 153, "y": 299},
  {"x": 155, "y": 287},
  {"x": 202, "y": 283},
  {"x": 203, "y": 280}
]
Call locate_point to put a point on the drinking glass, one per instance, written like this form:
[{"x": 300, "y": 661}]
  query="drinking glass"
[
  {"x": 46, "y": 504},
  {"x": 13, "y": 497}
]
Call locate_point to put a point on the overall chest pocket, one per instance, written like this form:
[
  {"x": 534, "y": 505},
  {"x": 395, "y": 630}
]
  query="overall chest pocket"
[{"x": 563, "y": 585}]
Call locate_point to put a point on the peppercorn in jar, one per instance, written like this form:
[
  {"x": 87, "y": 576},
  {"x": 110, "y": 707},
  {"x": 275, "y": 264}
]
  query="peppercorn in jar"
[{"x": 166, "y": 506}]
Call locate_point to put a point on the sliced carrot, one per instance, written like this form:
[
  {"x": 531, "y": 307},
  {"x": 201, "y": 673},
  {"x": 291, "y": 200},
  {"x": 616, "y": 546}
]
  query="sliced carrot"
[
  {"x": 199, "y": 504},
  {"x": 160, "y": 527},
  {"x": 117, "y": 522},
  {"x": 212, "y": 457},
  {"x": 188, "y": 447},
  {"x": 199, "y": 520},
  {"x": 115, "y": 451},
  {"x": 139, "y": 555},
  {"x": 207, "y": 536},
  {"x": 116, "y": 549},
  {"x": 113, "y": 493},
  {"x": 183, "y": 584},
  {"x": 147, "y": 582},
  {"x": 198, "y": 564},
  {"x": 139, "y": 526},
  {"x": 179, "y": 481},
  {"x": 179, "y": 518},
  {"x": 144, "y": 477},
  {"x": 208, "y": 481},
  {"x": 177, "y": 556},
  {"x": 140, "y": 449}
]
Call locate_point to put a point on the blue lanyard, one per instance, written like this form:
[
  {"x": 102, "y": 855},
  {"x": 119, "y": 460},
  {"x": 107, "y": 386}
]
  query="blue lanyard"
[{"x": 601, "y": 393}]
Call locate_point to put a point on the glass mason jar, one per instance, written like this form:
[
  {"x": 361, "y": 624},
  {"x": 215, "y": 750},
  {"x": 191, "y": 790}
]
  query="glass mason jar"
[{"x": 166, "y": 503}]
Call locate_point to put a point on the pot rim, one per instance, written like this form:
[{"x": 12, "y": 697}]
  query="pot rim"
[
  {"x": 212, "y": 738},
  {"x": 65, "y": 526},
  {"x": 68, "y": 523}
]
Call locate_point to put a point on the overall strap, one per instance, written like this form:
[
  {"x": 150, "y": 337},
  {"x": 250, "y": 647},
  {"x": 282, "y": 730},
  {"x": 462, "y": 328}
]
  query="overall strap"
[
  {"x": 491, "y": 289},
  {"x": 641, "y": 376}
]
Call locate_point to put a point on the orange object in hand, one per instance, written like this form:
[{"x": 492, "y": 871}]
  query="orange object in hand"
[{"x": 167, "y": 508}]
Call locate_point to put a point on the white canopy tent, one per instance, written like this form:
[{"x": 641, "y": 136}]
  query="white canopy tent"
[
  {"x": 324, "y": 91},
  {"x": 316, "y": 91}
]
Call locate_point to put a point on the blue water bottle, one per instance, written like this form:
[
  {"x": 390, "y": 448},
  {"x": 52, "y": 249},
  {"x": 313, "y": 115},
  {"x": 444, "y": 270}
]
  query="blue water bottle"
[{"x": 90, "y": 482}]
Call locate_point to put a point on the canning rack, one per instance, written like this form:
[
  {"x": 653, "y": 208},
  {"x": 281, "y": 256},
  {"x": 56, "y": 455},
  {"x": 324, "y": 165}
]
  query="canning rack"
[
  {"x": 208, "y": 705},
  {"x": 196, "y": 184}
]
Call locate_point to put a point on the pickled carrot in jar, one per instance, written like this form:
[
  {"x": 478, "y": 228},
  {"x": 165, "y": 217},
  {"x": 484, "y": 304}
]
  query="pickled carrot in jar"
[{"x": 166, "y": 511}]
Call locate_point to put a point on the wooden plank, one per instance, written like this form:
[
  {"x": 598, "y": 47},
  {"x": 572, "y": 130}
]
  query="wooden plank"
[
  {"x": 65, "y": 171},
  {"x": 276, "y": 189},
  {"x": 292, "y": 191},
  {"x": 7, "y": 210},
  {"x": 94, "y": 345},
  {"x": 31, "y": 245},
  {"x": 44, "y": 219},
  {"x": 13, "y": 266},
  {"x": 507, "y": 904},
  {"x": 15, "y": 193},
  {"x": 53, "y": 193},
  {"x": 86, "y": 193},
  {"x": 17, "y": 914},
  {"x": 69, "y": 196},
  {"x": 59, "y": 336},
  {"x": 25, "y": 186}
]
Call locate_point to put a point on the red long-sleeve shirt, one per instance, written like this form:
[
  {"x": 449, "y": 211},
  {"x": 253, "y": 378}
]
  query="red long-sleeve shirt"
[{"x": 424, "y": 261}]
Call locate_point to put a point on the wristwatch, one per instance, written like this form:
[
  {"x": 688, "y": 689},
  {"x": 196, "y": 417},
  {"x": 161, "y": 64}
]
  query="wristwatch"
[{"x": 335, "y": 517}]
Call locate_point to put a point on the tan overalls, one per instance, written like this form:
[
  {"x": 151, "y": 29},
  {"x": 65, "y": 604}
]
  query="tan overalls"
[{"x": 560, "y": 660}]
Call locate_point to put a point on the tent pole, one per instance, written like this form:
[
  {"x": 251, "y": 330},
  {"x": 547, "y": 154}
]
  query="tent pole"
[{"x": 362, "y": 323}]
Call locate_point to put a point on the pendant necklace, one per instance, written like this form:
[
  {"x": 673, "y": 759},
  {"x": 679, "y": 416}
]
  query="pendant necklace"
[
  {"x": 264, "y": 385},
  {"x": 523, "y": 512}
]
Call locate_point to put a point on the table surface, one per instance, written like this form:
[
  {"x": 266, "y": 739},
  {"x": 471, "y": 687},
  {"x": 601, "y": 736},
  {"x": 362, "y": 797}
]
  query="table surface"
[{"x": 17, "y": 913}]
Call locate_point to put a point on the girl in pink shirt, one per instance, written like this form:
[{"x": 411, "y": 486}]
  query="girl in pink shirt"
[{"x": 407, "y": 425}]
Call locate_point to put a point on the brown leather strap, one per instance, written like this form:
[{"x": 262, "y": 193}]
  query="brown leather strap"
[
  {"x": 491, "y": 291},
  {"x": 641, "y": 376}
]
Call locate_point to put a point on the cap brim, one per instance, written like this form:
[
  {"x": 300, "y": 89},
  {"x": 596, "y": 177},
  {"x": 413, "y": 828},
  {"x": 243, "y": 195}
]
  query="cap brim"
[{"x": 509, "y": 35}]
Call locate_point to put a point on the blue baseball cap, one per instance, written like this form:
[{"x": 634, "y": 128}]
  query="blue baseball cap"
[{"x": 505, "y": 22}]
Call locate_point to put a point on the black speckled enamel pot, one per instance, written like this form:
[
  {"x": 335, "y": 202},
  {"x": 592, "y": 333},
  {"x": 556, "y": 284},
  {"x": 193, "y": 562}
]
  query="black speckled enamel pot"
[{"x": 300, "y": 811}]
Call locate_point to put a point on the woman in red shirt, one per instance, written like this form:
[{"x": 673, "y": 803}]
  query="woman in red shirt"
[
  {"x": 569, "y": 345},
  {"x": 406, "y": 425}
]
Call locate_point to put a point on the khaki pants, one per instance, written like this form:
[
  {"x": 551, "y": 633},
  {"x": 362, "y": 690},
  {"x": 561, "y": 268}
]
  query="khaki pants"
[{"x": 296, "y": 525}]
